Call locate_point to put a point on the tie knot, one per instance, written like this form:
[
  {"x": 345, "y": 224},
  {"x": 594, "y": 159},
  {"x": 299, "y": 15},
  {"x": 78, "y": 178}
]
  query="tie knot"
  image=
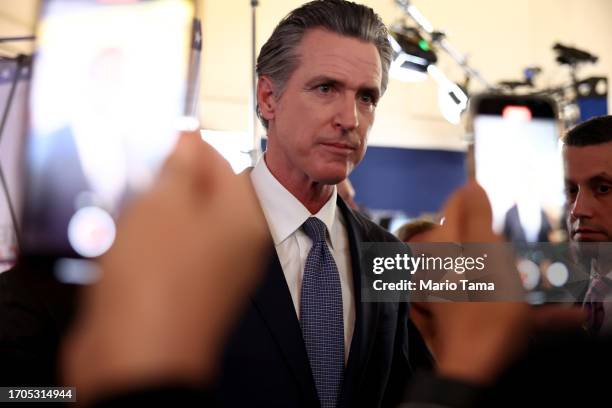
[{"x": 315, "y": 229}]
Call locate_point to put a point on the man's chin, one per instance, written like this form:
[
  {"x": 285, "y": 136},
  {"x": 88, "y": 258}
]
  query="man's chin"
[
  {"x": 332, "y": 176},
  {"x": 588, "y": 250},
  {"x": 331, "y": 180}
]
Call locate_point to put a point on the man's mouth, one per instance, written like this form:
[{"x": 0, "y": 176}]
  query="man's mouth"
[
  {"x": 339, "y": 147},
  {"x": 587, "y": 234}
]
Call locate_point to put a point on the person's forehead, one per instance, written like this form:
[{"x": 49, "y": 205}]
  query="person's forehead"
[
  {"x": 588, "y": 161},
  {"x": 344, "y": 58}
]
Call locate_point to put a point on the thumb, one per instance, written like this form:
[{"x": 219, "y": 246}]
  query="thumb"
[{"x": 468, "y": 216}]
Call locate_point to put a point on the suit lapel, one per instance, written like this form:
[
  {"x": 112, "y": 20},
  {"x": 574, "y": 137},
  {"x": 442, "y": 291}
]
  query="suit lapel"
[
  {"x": 275, "y": 306},
  {"x": 274, "y": 303},
  {"x": 366, "y": 315}
]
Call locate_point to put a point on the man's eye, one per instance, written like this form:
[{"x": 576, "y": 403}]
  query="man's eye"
[
  {"x": 603, "y": 189},
  {"x": 571, "y": 191},
  {"x": 324, "y": 88},
  {"x": 367, "y": 99}
]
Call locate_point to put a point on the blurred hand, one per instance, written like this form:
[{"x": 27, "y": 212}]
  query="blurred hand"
[
  {"x": 187, "y": 253},
  {"x": 475, "y": 341}
]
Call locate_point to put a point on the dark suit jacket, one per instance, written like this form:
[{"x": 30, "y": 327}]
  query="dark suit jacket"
[
  {"x": 513, "y": 229},
  {"x": 55, "y": 179},
  {"x": 35, "y": 311},
  {"x": 266, "y": 364}
]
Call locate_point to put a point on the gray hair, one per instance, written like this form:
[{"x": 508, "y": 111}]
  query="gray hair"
[{"x": 278, "y": 58}]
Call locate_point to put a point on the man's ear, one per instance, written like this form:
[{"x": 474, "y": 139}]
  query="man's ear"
[{"x": 266, "y": 97}]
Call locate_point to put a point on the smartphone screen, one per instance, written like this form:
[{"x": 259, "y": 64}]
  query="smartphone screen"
[
  {"x": 109, "y": 85},
  {"x": 517, "y": 153}
]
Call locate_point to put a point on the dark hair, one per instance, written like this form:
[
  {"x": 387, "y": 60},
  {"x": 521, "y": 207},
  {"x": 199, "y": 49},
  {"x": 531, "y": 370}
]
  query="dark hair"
[
  {"x": 592, "y": 132},
  {"x": 414, "y": 227},
  {"x": 278, "y": 58}
]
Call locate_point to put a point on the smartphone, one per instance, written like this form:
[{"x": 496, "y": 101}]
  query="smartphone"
[
  {"x": 518, "y": 162},
  {"x": 110, "y": 82}
]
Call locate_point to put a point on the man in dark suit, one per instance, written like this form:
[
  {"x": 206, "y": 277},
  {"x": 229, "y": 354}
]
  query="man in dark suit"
[
  {"x": 54, "y": 183},
  {"x": 515, "y": 231},
  {"x": 587, "y": 155},
  {"x": 307, "y": 339}
]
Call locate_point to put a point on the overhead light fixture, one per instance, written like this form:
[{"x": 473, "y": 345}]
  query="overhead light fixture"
[
  {"x": 414, "y": 60},
  {"x": 412, "y": 54},
  {"x": 573, "y": 56},
  {"x": 452, "y": 100}
]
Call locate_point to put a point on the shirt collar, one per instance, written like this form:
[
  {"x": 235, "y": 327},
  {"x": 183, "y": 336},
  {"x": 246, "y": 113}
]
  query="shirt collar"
[
  {"x": 597, "y": 272},
  {"x": 283, "y": 211}
]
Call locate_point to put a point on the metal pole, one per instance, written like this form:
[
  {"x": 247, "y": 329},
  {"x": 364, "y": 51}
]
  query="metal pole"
[
  {"x": 12, "y": 39},
  {"x": 256, "y": 148},
  {"x": 20, "y": 62}
]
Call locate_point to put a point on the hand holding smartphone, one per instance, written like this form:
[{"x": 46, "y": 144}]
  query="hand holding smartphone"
[{"x": 518, "y": 163}]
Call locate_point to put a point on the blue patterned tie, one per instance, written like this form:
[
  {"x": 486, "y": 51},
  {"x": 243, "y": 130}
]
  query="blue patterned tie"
[{"x": 321, "y": 315}]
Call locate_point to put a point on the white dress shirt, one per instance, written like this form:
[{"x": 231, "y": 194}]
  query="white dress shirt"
[{"x": 285, "y": 215}]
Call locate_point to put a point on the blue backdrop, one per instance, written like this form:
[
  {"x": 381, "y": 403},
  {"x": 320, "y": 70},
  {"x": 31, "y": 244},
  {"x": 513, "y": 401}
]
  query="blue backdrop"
[{"x": 409, "y": 180}]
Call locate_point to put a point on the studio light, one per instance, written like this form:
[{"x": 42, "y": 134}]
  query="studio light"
[
  {"x": 415, "y": 49},
  {"x": 414, "y": 59},
  {"x": 452, "y": 100},
  {"x": 412, "y": 54}
]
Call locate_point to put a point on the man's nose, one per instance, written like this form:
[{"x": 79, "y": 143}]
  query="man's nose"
[
  {"x": 582, "y": 206},
  {"x": 347, "y": 115}
]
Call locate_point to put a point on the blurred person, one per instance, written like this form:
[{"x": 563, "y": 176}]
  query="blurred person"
[
  {"x": 525, "y": 221},
  {"x": 71, "y": 149},
  {"x": 417, "y": 230},
  {"x": 347, "y": 192}
]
